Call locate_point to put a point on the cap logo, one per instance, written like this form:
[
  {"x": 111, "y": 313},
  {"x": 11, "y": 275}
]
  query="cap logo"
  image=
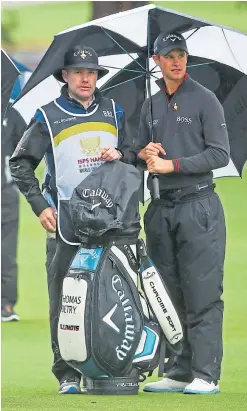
[
  {"x": 172, "y": 37},
  {"x": 82, "y": 53}
]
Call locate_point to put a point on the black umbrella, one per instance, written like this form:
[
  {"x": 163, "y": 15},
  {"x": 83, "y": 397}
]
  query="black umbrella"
[
  {"x": 8, "y": 77},
  {"x": 229, "y": 85},
  {"x": 124, "y": 42}
]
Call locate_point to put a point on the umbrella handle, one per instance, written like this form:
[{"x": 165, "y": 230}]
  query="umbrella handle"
[{"x": 156, "y": 186}]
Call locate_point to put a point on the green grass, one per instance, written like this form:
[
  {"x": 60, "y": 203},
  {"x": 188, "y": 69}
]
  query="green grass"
[
  {"x": 36, "y": 25},
  {"x": 229, "y": 13},
  {"x": 27, "y": 383}
]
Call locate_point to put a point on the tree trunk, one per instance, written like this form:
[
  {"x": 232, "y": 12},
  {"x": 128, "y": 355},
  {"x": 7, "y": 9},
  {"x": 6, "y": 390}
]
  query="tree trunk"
[{"x": 105, "y": 8}]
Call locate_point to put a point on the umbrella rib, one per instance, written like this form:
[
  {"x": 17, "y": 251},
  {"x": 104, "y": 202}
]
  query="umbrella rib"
[
  {"x": 157, "y": 78},
  {"x": 192, "y": 33},
  {"x": 224, "y": 34},
  {"x": 119, "y": 84},
  {"x": 201, "y": 64},
  {"x": 122, "y": 48},
  {"x": 125, "y": 69},
  {"x": 189, "y": 65}
]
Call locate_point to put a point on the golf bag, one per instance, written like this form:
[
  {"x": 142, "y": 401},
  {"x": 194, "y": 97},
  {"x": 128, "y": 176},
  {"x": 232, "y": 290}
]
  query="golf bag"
[{"x": 108, "y": 330}]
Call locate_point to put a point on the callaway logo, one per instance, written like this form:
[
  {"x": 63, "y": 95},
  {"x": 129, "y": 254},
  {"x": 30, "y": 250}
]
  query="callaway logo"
[
  {"x": 148, "y": 274},
  {"x": 129, "y": 332},
  {"x": 87, "y": 192},
  {"x": 107, "y": 319},
  {"x": 5, "y": 122},
  {"x": 172, "y": 37},
  {"x": 82, "y": 53},
  {"x": 95, "y": 205}
]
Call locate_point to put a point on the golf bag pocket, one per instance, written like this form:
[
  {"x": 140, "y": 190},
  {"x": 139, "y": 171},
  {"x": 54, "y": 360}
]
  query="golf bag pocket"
[
  {"x": 73, "y": 328},
  {"x": 117, "y": 323},
  {"x": 148, "y": 351},
  {"x": 101, "y": 319}
]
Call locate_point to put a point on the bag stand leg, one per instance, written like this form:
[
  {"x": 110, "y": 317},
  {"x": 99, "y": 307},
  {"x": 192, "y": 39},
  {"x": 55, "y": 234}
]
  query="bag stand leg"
[{"x": 162, "y": 357}]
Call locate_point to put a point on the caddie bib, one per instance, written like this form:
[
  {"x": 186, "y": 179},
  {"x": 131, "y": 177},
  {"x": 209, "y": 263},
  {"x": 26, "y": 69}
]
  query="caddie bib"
[{"x": 77, "y": 141}]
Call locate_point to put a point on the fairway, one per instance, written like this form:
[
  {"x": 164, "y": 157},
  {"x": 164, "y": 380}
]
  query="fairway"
[{"x": 27, "y": 383}]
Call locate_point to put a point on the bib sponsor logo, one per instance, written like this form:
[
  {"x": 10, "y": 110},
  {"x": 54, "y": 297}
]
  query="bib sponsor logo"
[
  {"x": 90, "y": 146},
  {"x": 86, "y": 165},
  {"x": 64, "y": 120},
  {"x": 108, "y": 113}
]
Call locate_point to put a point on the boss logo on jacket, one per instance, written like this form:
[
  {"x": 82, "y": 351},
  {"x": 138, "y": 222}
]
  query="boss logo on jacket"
[{"x": 184, "y": 120}]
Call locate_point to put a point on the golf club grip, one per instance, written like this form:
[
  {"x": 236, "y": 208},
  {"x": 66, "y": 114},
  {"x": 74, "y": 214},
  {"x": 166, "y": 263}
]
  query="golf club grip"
[{"x": 156, "y": 186}]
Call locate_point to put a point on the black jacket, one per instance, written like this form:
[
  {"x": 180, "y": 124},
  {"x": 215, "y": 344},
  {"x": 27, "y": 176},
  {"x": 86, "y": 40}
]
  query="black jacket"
[{"x": 191, "y": 128}]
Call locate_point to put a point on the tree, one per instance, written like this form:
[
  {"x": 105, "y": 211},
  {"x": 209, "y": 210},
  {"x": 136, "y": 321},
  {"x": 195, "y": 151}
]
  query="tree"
[
  {"x": 105, "y": 8},
  {"x": 10, "y": 21}
]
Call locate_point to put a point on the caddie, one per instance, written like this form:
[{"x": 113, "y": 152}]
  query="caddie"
[{"x": 77, "y": 132}]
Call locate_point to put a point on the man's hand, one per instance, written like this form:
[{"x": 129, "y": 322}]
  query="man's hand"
[
  {"x": 48, "y": 219},
  {"x": 158, "y": 165},
  {"x": 110, "y": 154},
  {"x": 152, "y": 149}
]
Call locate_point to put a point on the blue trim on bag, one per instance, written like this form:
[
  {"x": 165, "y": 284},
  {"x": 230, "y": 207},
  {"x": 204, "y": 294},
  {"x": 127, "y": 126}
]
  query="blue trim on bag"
[
  {"x": 89, "y": 368},
  {"x": 150, "y": 265},
  {"x": 149, "y": 343},
  {"x": 87, "y": 259}
]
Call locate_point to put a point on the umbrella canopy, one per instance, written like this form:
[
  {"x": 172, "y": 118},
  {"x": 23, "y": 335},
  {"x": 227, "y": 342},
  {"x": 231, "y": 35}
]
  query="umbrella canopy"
[
  {"x": 9, "y": 73},
  {"x": 124, "y": 43},
  {"x": 229, "y": 85}
]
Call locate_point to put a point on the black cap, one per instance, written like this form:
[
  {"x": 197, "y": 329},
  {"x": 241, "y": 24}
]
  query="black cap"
[
  {"x": 167, "y": 42},
  {"x": 81, "y": 57}
]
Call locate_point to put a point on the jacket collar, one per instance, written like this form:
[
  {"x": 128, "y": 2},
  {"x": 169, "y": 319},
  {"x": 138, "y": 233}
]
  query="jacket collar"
[
  {"x": 97, "y": 96},
  {"x": 162, "y": 85}
]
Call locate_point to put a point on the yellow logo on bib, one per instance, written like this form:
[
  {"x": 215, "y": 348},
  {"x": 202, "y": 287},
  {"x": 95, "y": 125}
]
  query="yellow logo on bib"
[{"x": 90, "y": 146}]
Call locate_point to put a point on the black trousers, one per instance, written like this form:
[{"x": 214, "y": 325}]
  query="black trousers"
[
  {"x": 186, "y": 241},
  {"x": 9, "y": 236},
  {"x": 58, "y": 258}
]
